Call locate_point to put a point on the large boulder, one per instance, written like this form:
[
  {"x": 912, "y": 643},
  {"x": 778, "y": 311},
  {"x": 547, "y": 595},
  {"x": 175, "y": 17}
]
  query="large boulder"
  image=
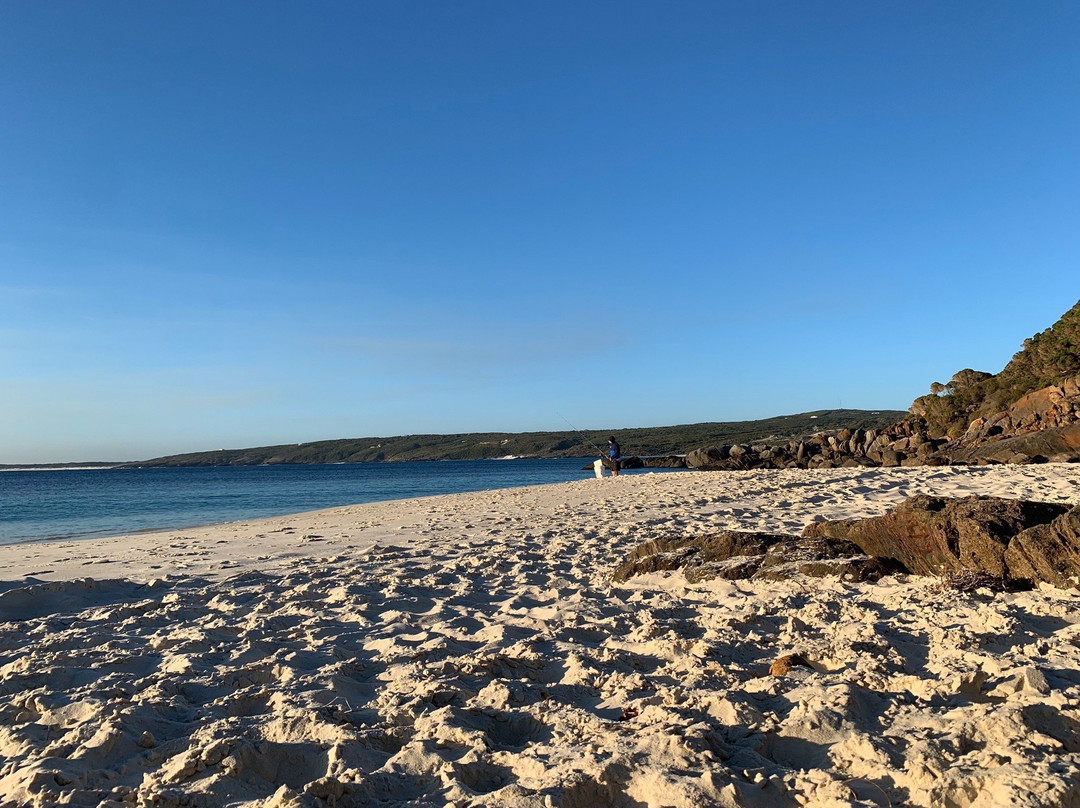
[
  {"x": 739, "y": 555},
  {"x": 933, "y": 535},
  {"x": 1049, "y": 552},
  {"x": 891, "y": 458},
  {"x": 706, "y": 458}
]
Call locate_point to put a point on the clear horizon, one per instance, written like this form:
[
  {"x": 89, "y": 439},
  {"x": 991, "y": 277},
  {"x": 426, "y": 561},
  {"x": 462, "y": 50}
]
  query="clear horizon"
[{"x": 246, "y": 225}]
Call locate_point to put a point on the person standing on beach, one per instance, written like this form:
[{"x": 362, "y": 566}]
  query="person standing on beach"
[{"x": 614, "y": 454}]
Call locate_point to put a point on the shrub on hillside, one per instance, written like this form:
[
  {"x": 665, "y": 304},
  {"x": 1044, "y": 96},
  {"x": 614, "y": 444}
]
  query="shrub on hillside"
[{"x": 1047, "y": 358}]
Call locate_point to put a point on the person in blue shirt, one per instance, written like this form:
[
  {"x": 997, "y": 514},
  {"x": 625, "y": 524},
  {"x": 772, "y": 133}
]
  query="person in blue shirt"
[{"x": 614, "y": 454}]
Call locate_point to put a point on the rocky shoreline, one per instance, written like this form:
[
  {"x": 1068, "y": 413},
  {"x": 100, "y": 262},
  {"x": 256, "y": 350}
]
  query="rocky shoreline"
[{"x": 1043, "y": 426}]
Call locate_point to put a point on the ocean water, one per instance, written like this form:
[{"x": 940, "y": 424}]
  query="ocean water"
[{"x": 77, "y": 503}]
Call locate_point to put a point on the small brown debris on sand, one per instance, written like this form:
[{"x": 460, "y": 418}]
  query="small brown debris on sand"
[{"x": 783, "y": 665}]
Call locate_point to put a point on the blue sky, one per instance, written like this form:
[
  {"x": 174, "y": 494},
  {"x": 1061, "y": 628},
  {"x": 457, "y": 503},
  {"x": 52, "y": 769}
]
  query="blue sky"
[{"x": 235, "y": 224}]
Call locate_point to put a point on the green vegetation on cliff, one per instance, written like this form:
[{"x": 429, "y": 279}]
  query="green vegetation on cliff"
[
  {"x": 1047, "y": 358},
  {"x": 649, "y": 441}
]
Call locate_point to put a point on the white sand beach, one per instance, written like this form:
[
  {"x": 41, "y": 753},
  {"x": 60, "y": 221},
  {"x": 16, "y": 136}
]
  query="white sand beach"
[{"x": 471, "y": 650}]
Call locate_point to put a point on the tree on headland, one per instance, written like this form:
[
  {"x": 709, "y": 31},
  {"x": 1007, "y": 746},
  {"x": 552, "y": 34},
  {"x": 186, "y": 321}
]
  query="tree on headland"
[{"x": 1047, "y": 358}]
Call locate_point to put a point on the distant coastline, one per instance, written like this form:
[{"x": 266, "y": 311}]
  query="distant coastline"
[{"x": 641, "y": 441}]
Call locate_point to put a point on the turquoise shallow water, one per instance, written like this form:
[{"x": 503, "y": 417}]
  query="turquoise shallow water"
[{"x": 74, "y": 503}]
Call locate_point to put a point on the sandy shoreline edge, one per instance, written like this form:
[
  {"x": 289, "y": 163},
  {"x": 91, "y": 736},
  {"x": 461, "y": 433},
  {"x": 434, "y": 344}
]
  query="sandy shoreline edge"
[{"x": 469, "y": 649}]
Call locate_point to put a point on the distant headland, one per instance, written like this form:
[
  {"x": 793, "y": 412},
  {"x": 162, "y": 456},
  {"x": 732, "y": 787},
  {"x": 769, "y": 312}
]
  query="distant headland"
[{"x": 640, "y": 441}]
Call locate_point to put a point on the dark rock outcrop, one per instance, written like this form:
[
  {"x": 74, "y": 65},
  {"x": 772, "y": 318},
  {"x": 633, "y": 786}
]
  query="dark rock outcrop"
[
  {"x": 672, "y": 554},
  {"x": 819, "y": 559},
  {"x": 738, "y": 555},
  {"x": 635, "y": 462},
  {"x": 627, "y": 462},
  {"x": 664, "y": 462},
  {"x": 1055, "y": 444},
  {"x": 1049, "y": 552},
  {"x": 934, "y": 535},
  {"x": 900, "y": 445},
  {"x": 707, "y": 457},
  {"x": 1037, "y": 431},
  {"x": 1015, "y": 541}
]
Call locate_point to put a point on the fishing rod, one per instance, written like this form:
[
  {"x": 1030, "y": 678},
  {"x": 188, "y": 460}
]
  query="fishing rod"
[{"x": 599, "y": 451}]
